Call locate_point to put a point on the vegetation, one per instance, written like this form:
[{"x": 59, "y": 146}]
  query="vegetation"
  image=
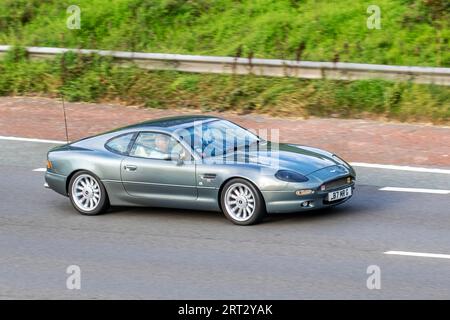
[
  {"x": 413, "y": 32},
  {"x": 94, "y": 78}
]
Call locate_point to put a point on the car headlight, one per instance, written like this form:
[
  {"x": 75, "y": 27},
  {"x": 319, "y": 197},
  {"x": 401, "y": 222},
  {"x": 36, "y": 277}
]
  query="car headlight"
[{"x": 290, "y": 176}]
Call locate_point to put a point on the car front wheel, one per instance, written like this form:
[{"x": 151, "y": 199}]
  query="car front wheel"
[
  {"x": 242, "y": 202},
  {"x": 87, "y": 194}
]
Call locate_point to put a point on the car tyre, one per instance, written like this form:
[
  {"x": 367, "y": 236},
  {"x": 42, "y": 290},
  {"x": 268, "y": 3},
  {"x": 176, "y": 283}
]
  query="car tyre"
[
  {"x": 87, "y": 194},
  {"x": 242, "y": 203}
]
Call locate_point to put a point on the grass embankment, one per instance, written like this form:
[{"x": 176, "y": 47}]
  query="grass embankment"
[
  {"x": 95, "y": 79},
  {"x": 413, "y": 32}
]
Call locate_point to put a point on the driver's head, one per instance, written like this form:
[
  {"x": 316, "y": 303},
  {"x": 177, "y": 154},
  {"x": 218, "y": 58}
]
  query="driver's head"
[{"x": 162, "y": 143}]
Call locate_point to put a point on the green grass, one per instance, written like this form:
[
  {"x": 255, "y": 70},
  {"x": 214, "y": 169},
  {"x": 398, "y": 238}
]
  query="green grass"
[
  {"x": 414, "y": 32},
  {"x": 96, "y": 79}
]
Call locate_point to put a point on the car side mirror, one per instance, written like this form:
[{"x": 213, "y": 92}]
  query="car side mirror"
[{"x": 178, "y": 157}]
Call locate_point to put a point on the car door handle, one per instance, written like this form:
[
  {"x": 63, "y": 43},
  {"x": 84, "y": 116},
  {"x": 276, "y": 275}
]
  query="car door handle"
[{"x": 130, "y": 168}]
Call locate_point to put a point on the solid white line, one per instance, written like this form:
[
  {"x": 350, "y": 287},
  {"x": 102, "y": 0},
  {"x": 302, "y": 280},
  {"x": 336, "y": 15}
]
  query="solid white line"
[
  {"x": 32, "y": 140},
  {"x": 419, "y": 254},
  {"x": 40, "y": 170},
  {"x": 418, "y": 190},
  {"x": 401, "y": 168}
]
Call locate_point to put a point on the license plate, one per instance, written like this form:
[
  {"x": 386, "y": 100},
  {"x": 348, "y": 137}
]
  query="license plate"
[{"x": 340, "y": 194}]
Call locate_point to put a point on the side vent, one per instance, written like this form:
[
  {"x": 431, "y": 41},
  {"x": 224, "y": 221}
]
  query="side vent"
[{"x": 208, "y": 176}]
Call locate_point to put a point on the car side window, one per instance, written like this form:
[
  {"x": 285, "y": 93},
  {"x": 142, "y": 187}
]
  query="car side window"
[
  {"x": 120, "y": 144},
  {"x": 151, "y": 145},
  {"x": 160, "y": 146}
]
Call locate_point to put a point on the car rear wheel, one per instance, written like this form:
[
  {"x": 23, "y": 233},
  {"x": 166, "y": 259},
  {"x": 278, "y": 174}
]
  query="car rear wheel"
[
  {"x": 87, "y": 194},
  {"x": 242, "y": 202}
]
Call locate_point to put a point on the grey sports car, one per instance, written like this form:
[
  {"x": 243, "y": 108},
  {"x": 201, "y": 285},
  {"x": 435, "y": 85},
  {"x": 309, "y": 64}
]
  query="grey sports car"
[{"x": 197, "y": 162}]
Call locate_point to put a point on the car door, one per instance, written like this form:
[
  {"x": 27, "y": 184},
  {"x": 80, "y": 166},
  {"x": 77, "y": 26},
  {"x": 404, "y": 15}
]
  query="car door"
[{"x": 148, "y": 174}]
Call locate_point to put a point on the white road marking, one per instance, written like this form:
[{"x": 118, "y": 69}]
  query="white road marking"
[
  {"x": 355, "y": 164},
  {"x": 40, "y": 170},
  {"x": 401, "y": 168},
  {"x": 418, "y": 190},
  {"x": 32, "y": 140},
  {"x": 419, "y": 254}
]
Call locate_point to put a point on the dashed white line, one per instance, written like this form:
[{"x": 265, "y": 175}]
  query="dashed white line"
[
  {"x": 419, "y": 254},
  {"x": 40, "y": 170},
  {"x": 32, "y": 140},
  {"x": 401, "y": 168},
  {"x": 418, "y": 190}
]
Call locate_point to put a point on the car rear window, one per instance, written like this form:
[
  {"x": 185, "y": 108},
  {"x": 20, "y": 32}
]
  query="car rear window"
[{"x": 119, "y": 144}]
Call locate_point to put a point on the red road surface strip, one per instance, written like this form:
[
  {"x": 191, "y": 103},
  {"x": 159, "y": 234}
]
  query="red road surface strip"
[{"x": 355, "y": 140}]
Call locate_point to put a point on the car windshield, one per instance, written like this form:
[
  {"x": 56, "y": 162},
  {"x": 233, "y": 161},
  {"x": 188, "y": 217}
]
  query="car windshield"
[{"x": 217, "y": 137}]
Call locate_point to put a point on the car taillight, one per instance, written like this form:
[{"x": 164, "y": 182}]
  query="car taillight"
[{"x": 49, "y": 164}]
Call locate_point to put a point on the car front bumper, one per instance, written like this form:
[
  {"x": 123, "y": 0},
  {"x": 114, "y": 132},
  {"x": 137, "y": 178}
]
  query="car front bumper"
[{"x": 288, "y": 201}]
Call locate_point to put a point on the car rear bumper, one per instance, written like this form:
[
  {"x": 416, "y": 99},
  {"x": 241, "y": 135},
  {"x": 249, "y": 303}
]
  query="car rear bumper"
[
  {"x": 288, "y": 201},
  {"x": 56, "y": 182}
]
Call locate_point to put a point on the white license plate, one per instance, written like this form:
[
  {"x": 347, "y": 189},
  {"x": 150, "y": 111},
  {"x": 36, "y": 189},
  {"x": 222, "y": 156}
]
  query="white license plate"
[{"x": 340, "y": 194}]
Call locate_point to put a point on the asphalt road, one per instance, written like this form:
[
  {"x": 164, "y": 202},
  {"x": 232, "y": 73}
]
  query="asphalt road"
[{"x": 178, "y": 254}]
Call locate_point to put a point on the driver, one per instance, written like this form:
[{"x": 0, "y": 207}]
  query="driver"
[{"x": 161, "y": 149}]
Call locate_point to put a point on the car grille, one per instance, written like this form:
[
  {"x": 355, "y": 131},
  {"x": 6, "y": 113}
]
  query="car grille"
[{"x": 337, "y": 183}]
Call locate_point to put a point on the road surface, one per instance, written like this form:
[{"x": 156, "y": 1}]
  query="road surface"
[{"x": 151, "y": 253}]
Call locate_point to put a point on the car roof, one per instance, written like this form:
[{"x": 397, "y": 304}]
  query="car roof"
[{"x": 170, "y": 123}]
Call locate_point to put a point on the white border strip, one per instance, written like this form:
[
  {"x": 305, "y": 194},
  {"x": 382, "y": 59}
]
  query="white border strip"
[
  {"x": 401, "y": 168},
  {"x": 419, "y": 254},
  {"x": 32, "y": 140},
  {"x": 418, "y": 190},
  {"x": 40, "y": 170}
]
